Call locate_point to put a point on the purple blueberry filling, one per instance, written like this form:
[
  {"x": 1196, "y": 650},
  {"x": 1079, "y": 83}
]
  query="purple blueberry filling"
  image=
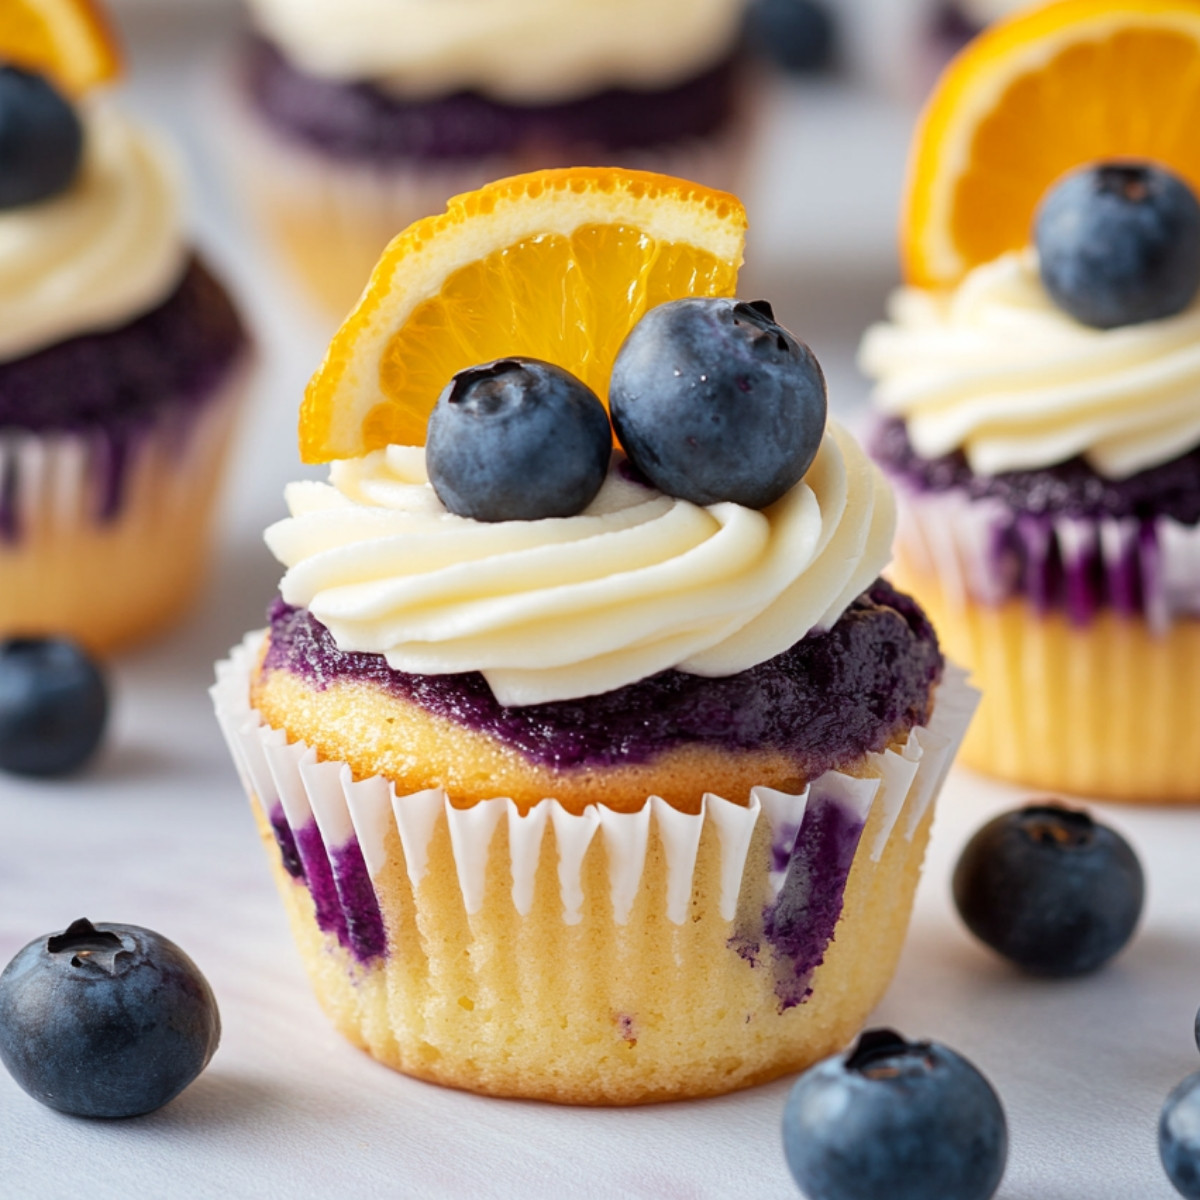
[
  {"x": 343, "y": 897},
  {"x": 114, "y": 388},
  {"x": 360, "y": 122},
  {"x": 1026, "y": 554},
  {"x": 799, "y": 925},
  {"x": 828, "y": 700}
]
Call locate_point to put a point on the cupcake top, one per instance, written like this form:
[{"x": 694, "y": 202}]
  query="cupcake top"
[
  {"x": 99, "y": 253},
  {"x": 516, "y": 50},
  {"x": 994, "y": 367},
  {"x": 561, "y": 608}
]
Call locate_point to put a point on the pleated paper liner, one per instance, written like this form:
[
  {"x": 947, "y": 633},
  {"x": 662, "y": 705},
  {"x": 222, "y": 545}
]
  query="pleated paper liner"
[
  {"x": 601, "y": 958},
  {"x": 108, "y": 546},
  {"x": 1084, "y": 636}
]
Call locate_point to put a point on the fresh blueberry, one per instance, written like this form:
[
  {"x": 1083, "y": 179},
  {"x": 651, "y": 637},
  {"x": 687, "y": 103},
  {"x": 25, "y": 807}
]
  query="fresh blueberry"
[
  {"x": 1179, "y": 1137},
  {"x": 1119, "y": 244},
  {"x": 105, "y": 1020},
  {"x": 896, "y": 1119},
  {"x": 517, "y": 440},
  {"x": 797, "y": 35},
  {"x": 53, "y": 706},
  {"x": 41, "y": 139},
  {"x": 713, "y": 400},
  {"x": 1050, "y": 889}
]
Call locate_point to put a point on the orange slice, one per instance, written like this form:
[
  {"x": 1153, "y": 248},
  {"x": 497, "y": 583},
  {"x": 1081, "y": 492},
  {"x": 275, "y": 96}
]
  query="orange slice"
[
  {"x": 68, "y": 40},
  {"x": 1031, "y": 99},
  {"x": 557, "y": 265}
]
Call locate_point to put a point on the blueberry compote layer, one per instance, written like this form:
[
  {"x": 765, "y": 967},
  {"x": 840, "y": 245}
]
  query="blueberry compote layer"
[
  {"x": 112, "y": 387},
  {"x": 827, "y": 701},
  {"x": 1026, "y": 553},
  {"x": 361, "y": 122}
]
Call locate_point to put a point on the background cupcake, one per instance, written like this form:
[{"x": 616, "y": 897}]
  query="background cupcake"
[
  {"x": 1040, "y": 403},
  {"x": 360, "y": 118},
  {"x": 121, "y": 357},
  {"x": 571, "y": 808}
]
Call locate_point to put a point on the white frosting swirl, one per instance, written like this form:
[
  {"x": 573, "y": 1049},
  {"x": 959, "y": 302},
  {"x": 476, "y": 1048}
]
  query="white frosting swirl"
[
  {"x": 520, "y": 50},
  {"x": 996, "y": 369},
  {"x": 562, "y": 608},
  {"x": 106, "y": 250}
]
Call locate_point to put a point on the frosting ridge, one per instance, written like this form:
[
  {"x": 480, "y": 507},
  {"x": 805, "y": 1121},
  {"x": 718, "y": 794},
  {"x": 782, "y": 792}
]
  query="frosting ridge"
[
  {"x": 515, "y": 49},
  {"x": 995, "y": 369},
  {"x": 107, "y": 250},
  {"x": 559, "y": 609}
]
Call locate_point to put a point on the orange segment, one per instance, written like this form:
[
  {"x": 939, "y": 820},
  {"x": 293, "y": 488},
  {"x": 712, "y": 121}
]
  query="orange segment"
[
  {"x": 557, "y": 265},
  {"x": 1033, "y": 98},
  {"x": 67, "y": 40}
]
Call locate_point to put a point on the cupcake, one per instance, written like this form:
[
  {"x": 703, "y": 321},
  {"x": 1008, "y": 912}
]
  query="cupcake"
[
  {"x": 121, "y": 362},
  {"x": 576, "y": 788},
  {"x": 1036, "y": 385},
  {"x": 357, "y": 119}
]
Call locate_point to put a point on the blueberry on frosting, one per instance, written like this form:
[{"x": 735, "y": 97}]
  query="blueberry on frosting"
[
  {"x": 41, "y": 139},
  {"x": 1119, "y": 244},
  {"x": 517, "y": 440},
  {"x": 714, "y": 401}
]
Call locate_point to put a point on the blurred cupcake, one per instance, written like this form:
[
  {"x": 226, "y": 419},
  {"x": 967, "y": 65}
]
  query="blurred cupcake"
[
  {"x": 360, "y": 117},
  {"x": 617, "y": 803},
  {"x": 1039, "y": 401},
  {"x": 121, "y": 363}
]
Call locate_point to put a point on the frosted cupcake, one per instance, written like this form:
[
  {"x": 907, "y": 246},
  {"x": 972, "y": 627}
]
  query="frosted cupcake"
[
  {"x": 1040, "y": 419},
  {"x": 361, "y": 117},
  {"x": 618, "y": 801},
  {"x": 121, "y": 364}
]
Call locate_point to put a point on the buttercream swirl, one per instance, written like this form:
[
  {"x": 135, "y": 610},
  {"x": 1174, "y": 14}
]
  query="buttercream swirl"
[
  {"x": 518, "y": 50},
  {"x": 996, "y": 369},
  {"x": 103, "y": 252},
  {"x": 558, "y": 609}
]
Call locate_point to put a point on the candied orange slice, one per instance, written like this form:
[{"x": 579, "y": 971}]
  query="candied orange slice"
[
  {"x": 556, "y": 265},
  {"x": 1031, "y": 99},
  {"x": 68, "y": 40}
]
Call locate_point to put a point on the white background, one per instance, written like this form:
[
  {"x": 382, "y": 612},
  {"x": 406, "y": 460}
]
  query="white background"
[{"x": 159, "y": 834}]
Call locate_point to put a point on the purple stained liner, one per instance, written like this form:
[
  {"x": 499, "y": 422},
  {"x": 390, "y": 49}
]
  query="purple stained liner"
[
  {"x": 1026, "y": 556},
  {"x": 361, "y": 123},
  {"x": 118, "y": 387},
  {"x": 826, "y": 702},
  {"x": 341, "y": 889}
]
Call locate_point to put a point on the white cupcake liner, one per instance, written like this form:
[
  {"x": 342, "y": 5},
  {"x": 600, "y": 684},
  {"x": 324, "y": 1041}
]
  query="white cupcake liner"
[
  {"x": 54, "y": 483},
  {"x": 354, "y": 818},
  {"x": 979, "y": 549}
]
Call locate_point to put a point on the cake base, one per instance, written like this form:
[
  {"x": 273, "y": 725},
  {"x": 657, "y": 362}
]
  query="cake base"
[
  {"x": 597, "y": 1013},
  {"x": 1104, "y": 709}
]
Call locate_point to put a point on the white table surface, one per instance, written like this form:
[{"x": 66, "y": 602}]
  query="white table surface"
[{"x": 159, "y": 834}]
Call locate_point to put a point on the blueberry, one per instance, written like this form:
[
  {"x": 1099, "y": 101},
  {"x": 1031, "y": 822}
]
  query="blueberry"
[
  {"x": 1050, "y": 889},
  {"x": 53, "y": 706},
  {"x": 41, "y": 139},
  {"x": 517, "y": 440},
  {"x": 105, "y": 1020},
  {"x": 797, "y": 35},
  {"x": 905, "y": 1120},
  {"x": 1119, "y": 244},
  {"x": 713, "y": 400},
  {"x": 1179, "y": 1137}
]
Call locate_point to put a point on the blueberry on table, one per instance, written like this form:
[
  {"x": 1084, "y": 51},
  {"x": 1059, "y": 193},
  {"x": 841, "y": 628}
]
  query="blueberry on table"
[
  {"x": 517, "y": 440},
  {"x": 105, "y": 1020},
  {"x": 796, "y": 35},
  {"x": 41, "y": 139},
  {"x": 1049, "y": 888},
  {"x": 53, "y": 706},
  {"x": 1119, "y": 244},
  {"x": 896, "y": 1119},
  {"x": 1179, "y": 1137},
  {"x": 714, "y": 401}
]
